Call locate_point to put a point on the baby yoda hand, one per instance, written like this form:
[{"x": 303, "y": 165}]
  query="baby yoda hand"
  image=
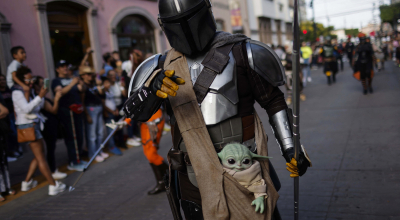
[{"x": 259, "y": 203}]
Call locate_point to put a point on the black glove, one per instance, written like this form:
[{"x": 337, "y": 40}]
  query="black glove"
[{"x": 297, "y": 168}]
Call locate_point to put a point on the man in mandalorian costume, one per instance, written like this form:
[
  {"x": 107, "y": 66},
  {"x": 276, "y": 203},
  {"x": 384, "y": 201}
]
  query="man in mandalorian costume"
[
  {"x": 229, "y": 73},
  {"x": 330, "y": 63}
]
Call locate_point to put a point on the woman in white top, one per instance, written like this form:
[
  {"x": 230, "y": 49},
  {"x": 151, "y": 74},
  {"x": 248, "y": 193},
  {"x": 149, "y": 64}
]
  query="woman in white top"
[{"x": 27, "y": 111}]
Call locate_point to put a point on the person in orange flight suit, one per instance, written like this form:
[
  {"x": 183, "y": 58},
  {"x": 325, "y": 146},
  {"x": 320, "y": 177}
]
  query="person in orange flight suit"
[{"x": 151, "y": 132}]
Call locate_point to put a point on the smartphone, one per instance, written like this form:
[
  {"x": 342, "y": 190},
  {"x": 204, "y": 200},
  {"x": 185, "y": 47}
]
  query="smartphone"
[{"x": 46, "y": 83}]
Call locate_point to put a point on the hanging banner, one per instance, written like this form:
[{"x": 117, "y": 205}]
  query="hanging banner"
[{"x": 236, "y": 17}]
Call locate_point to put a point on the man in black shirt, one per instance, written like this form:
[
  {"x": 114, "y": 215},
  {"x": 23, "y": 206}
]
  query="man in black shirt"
[
  {"x": 364, "y": 63},
  {"x": 349, "y": 50},
  {"x": 70, "y": 113}
]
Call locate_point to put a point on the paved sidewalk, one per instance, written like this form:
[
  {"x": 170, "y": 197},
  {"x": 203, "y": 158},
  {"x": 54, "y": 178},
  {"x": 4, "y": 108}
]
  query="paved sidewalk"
[{"x": 352, "y": 139}]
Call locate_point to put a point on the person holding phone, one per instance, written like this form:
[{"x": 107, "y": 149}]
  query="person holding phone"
[
  {"x": 32, "y": 105},
  {"x": 70, "y": 113},
  {"x": 50, "y": 129}
]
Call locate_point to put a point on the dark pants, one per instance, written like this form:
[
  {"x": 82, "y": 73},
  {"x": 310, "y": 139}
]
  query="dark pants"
[
  {"x": 133, "y": 129},
  {"x": 341, "y": 62},
  {"x": 64, "y": 115},
  {"x": 50, "y": 141},
  {"x": 12, "y": 142},
  {"x": 4, "y": 174},
  {"x": 350, "y": 57}
]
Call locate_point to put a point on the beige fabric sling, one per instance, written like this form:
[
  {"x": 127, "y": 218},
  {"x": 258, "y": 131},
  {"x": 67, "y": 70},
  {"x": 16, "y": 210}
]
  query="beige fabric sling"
[{"x": 222, "y": 196}]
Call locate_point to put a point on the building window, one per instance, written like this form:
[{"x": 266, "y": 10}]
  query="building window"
[
  {"x": 265, "y": 30},
  {"x": 289, "y": 32},
  {"x": 280, "y": 7},
  {"x": 135, "y": 32},
  {"x": 220, "y": 25},
  {"x": 278, "y": 31},
  {"x": 69, "y": 34}
]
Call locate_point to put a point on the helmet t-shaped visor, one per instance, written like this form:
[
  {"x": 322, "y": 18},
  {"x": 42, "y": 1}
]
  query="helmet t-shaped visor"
[{"x": 188, "y": 24}]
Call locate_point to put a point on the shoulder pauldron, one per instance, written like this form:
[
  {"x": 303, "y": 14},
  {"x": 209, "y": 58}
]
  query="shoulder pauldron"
[
  {"x": 143, "y": 72},
  {"x": 264, "y": 61}
]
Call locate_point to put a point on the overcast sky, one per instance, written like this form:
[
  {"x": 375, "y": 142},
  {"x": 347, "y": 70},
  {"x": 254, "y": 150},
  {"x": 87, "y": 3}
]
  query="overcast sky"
[{"x": 348, "y": 19}]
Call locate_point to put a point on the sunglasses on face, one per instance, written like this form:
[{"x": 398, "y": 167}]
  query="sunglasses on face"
[{"x": 30, "y": 80}]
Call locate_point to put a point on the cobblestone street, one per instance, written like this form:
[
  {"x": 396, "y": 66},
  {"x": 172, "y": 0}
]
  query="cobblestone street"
[{"x": 351, "y": 138}]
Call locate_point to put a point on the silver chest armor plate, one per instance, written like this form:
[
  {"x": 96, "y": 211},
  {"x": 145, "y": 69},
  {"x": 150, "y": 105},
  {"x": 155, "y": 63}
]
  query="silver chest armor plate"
[{"x": 221, "y": 102}]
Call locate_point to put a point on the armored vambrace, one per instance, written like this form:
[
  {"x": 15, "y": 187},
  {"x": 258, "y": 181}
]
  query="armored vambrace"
[
  {"x": 281, "y": 126},
  {"x": 141, "y": 105}
]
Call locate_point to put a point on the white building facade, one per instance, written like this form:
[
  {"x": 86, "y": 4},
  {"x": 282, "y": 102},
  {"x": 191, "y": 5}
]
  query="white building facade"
[{"x": 270, "y": 21}]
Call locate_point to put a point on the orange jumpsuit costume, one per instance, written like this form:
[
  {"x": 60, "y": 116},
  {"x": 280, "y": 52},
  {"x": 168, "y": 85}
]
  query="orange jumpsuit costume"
[{"x": 150, "y": 142}]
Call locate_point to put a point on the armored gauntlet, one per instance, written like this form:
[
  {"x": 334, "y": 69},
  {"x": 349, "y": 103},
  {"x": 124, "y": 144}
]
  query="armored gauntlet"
[
  {"x": 143, "y": 103},
  {"x": 281, "y": 126}
]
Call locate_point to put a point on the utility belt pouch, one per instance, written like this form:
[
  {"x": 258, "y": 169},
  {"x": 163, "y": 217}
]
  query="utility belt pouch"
[
  {"x": 176, "y": 159},
  {"x": 175, "y": 155}
]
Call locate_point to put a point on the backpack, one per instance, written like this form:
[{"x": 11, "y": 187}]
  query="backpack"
[{"x": 328, "y": 51}]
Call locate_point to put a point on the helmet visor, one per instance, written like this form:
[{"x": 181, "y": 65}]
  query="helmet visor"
[
  {"x": 177, "y": 38},
  {"x": 202, "y": 28}
]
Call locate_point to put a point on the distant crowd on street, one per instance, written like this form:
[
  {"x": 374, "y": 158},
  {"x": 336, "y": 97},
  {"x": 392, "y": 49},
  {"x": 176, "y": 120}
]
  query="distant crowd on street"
[
  {"x": 331, "y": 54},
  {"x": 84, "y": 102}
]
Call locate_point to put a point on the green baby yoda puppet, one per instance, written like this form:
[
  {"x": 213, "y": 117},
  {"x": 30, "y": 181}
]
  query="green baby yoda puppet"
[{"x": 242, "y": 164}]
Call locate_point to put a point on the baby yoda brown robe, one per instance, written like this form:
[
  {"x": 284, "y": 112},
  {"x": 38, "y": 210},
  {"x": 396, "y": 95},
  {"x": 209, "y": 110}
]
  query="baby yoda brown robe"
[
  {"x": 222, "y": 196},
  {"x": 251, "y": 179}
]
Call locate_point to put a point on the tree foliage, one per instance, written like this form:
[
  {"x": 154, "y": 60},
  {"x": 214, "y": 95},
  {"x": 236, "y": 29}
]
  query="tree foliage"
[
  {"x": 389, "y": 12},
  {"x": 320, "y": 30},
  {"x": 352, "y": 32}
]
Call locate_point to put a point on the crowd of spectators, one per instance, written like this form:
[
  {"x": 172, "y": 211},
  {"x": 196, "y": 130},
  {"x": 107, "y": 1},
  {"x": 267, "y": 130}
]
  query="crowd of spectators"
[{"x": 82, "y": 102}]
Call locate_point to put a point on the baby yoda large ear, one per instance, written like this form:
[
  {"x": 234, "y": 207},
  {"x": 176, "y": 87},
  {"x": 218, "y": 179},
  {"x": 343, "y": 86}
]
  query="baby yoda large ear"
[
  {"x": 256, "y": 156},
  {"x": 220, "y": 155}
]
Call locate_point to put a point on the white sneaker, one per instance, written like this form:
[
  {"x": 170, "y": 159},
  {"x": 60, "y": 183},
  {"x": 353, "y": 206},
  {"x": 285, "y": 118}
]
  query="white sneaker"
[
  {"x": 26, "y": 186},
  {"x": 99, "y": 159},
  {"x": 57, "y": 175},
  {"x": 133, "y": 142},
  {"x": 138, "y": 139},
  {"x": 59, "y": 187},
  {"x": 309, "y": 79},
  {"x": 104, "y": 155},
  {"x": 76, "y": 167},
  {"x": 167, "y": 127}
]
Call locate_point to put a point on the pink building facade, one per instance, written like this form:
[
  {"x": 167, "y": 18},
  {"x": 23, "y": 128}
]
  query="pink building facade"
[
  {"x": 50, "y": 30},
  {"x": 34, "y": 24}
]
